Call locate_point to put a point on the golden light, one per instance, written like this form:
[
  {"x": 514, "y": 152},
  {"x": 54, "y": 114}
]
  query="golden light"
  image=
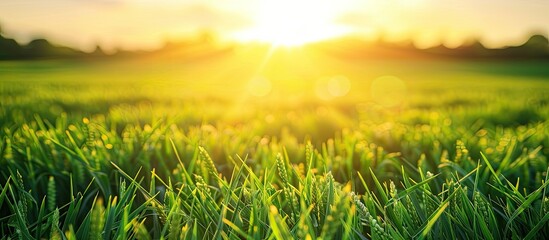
[
  {"x": 332, "y": 87},
  {"x": 293, "y": 23},
  {"x": 388, "y": 91},
  {"x": 259, "y": 86}
]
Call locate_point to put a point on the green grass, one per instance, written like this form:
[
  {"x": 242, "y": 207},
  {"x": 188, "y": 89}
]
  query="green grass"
[{"x": 151, "y": 148}]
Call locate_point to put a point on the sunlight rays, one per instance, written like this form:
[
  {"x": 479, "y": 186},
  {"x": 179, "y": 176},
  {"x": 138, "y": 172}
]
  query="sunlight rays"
[{"x": 293, "y": 23}]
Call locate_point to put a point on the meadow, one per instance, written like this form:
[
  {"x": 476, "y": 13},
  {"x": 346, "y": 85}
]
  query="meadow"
[{"x": 255, "y": 143}]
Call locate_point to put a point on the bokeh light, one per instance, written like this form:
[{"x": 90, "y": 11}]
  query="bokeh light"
[{"x": 331, "y": 87}]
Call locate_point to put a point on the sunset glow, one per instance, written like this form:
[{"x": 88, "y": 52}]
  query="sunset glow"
[
  {"x": 148, "y": 24},
  {"x": 274, "y": 119},
  {"x": 291, "y": 23}
]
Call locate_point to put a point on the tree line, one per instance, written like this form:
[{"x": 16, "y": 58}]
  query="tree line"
[{"x": 536, "y": 47}]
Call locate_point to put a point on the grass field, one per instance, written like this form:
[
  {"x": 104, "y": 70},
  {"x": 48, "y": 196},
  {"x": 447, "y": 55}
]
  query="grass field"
[{"x": 256, "y": 144}]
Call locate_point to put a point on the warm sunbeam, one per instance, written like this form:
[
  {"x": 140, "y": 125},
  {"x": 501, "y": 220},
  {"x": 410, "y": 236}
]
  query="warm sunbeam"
[
  {"x": 292, "y": 23},
  {"x": 264, "y": 119}
]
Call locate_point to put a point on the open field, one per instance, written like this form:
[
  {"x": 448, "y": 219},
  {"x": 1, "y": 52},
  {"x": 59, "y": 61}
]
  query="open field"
[{"x": 260, "y": 144}]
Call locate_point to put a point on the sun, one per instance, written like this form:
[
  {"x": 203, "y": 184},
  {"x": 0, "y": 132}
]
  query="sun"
[{"x": 293, "y": 23}]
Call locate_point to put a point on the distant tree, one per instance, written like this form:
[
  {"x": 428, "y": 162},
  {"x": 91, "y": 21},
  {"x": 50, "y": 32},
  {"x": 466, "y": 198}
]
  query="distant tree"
[
  {"x": 98, "y": 52},
  {"x": 9, "y": 48},
  {"x": 536, "y": 46},
  {"x": 472, "y": 48},
  {"x": 538, "y": 42},
  {"x": 207, "y": 37},
  {"x": 39, "y": 44},
  {"x": 39, "y": 48}
]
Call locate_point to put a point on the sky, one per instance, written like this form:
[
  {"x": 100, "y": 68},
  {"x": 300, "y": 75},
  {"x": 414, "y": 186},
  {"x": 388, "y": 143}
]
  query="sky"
[{"x": 148, "y": 24}]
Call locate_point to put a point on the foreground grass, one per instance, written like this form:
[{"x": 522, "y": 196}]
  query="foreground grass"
[
  {"x": 82, "y": 181},
  {"x": 81, "y": 160}
]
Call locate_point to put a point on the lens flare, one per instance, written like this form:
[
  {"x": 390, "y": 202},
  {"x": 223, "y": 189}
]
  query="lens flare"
[{"x": 332, "y": 87}]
